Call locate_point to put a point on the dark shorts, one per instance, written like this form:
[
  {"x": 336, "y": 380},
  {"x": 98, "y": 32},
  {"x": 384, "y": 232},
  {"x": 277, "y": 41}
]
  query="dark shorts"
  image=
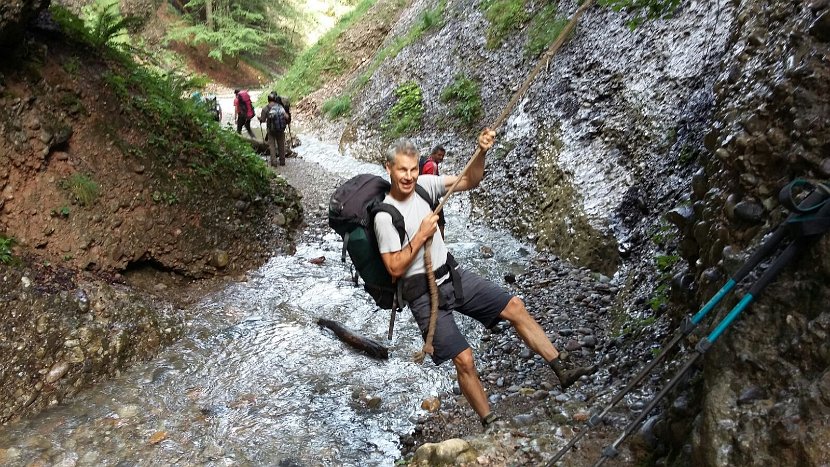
[{"x": 483, "y": 301}]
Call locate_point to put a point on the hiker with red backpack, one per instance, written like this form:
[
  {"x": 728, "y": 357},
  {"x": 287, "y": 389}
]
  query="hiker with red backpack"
[
  {"x": 458, "y": 289},
  {"x": 243, "y": 111},
  {"x": 430, "y": 164},
  {"x": 277, "y": 118}
]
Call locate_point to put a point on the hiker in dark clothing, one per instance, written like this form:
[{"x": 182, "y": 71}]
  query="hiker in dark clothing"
[
  {"x": 277, "y": 120},
  {"x": 459, "y": 289},
  {"x": 243, "y": 111}
]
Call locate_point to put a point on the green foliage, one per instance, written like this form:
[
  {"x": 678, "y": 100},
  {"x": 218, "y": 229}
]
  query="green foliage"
[
  {"x": 62, "y": 211},
  {"x": 405, "y": 116},
  {"x": 429, "y": 19},
  {"x": 664, "y": 263},
  {"x": 643, "y": 9},
  {"x": 505, "y": 16},
  {"x": 6, "y": 245},
  {"x": 337, "y": 106},
  {"x": 100, "y": 26},
  {"x": 82, "y": 188},
  {"x": 544, "y": 29},
  {"x": 321, "y": 61},
  {"x": 232, "y": 28},
  {"x": 180, "y": 130},
  {"x": 465, "y": 94},
  {"x": 166, "y": 198}
]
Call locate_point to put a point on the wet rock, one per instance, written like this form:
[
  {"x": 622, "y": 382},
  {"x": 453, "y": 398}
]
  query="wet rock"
[
  {"x": 279, "y": 219},
  {"x": 373, "y": 402},
  {"x": 749, "y": 211},
  {"x": 486, "y": 252},
  {"x": 431, "y": 404},
  {"x": 572, "y": 345},
  {"x": 589, "y": 341},
  {"x": 681, "y": 216},
  {"x": 824, "y": 167},
  {"x": 821, "y": 27},
  {"x": 750, "y": 394},
  {"x": 524, "y": 419},
  {"x": 219, "y": 259},
  {"x": 57, "y": 372}
]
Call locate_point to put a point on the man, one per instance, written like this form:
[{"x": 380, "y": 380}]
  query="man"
[
  {"x": 243, "y": 111},
  {"x": 459, "y": 290},
  {"x": 276, "y": 136},
  {"x": 435, "y": 158},
  {"x": 431, "y": 168}
]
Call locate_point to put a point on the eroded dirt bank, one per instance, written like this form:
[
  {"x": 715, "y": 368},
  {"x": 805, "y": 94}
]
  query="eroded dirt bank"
[{"x": 112, "y": 211}]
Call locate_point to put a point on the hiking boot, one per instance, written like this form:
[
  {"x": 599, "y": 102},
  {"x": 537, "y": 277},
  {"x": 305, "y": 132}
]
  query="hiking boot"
[
  {"x": 569, "y": 377},
  {"x": 492, "y": 422}
]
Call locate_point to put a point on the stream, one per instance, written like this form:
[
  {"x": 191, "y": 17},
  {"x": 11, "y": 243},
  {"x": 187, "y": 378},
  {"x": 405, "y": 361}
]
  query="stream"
[{"x": 255, "y": 381}]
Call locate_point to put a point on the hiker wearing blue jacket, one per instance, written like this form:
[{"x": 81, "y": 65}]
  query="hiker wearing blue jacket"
[{"x": 459, "y": 290}]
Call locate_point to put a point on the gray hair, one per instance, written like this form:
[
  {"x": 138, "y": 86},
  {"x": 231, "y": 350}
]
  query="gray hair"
[{"x": 401, "y": 146}]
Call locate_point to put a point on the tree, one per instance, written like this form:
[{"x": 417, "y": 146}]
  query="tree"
[{"x": 235, "y": 27}]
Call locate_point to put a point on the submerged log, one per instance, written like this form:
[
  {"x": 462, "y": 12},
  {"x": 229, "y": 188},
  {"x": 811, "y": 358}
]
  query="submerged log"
[{"x": 372, "y": 348}]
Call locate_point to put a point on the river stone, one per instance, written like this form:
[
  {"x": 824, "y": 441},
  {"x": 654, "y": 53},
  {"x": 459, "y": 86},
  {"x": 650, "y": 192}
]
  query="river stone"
[
  {"x": 824, "y": 167},
  {"x": 219, "y": 259},
  {"x": 449, "y": 452},
  {"x": 749, "y": 211},
  {"x": 57, "y": 371}
]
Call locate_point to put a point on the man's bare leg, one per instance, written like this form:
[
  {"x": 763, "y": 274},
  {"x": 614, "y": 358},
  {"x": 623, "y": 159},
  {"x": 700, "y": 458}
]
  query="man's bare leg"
[
  {"x": 470, "y": 383},
  {"x": 534, "y": 336}
]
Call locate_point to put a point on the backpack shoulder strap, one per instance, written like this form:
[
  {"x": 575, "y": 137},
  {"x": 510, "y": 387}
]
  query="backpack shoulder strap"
[
  {"x": 397, "y": 217},
  {"x": 423, "y": 193}
]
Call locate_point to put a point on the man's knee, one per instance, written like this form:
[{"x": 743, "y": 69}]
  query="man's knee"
[
  {"x": 515, "y": 310},
  {"x": 464, "y": 362}
]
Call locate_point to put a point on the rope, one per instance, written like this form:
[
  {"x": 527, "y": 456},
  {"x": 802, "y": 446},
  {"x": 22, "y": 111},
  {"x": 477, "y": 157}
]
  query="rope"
[{"x": 508, "y": 109}]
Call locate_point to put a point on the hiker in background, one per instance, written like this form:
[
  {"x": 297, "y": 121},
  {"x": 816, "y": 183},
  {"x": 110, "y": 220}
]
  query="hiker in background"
[
  {"x": 243, "y": 111},
  {"x": 277, "y": 119},
  {"x": 430, "y": 167},
  {"x": 431, "y": 163},
  {"x": 458, "y": 289}
]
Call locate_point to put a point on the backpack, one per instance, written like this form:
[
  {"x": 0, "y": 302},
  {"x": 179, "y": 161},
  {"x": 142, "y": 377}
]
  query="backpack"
[
  {"x": 277, "y": 119},
  {"x": 352, "y": 211},
  {"x": 214, "y": 108},
  {"x": 421, "y": 162}
]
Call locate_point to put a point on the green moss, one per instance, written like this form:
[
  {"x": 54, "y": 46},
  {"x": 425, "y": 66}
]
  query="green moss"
[
  {"x": 465, "y": 96},
  {"x": 505, "y": 17},
  {"x": 559, "y": 219},
  {"x": 544, "y": 29},
  {"x": 404, "y": 117}
]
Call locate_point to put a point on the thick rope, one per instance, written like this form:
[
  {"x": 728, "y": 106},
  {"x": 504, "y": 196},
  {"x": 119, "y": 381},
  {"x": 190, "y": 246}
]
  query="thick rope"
[{"x": 508, "y": 109}]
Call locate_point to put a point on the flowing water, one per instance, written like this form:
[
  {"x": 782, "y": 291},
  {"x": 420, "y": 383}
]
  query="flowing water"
[{"x": 255, "y": 381}]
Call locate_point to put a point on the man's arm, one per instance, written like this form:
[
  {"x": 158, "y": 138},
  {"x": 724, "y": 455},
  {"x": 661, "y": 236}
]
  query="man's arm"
[
  {"x": 397, "y": 262},
  {"x": 475, "y": 173}
]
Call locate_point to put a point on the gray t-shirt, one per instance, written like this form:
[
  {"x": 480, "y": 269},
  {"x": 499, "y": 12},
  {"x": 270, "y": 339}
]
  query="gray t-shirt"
[{"x": 414, "y": 209}]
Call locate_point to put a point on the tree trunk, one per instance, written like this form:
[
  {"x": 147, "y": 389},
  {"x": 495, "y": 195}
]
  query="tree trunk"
[
  {"x": 209, "y": 14},
  {"x": 372, "y": 348}
]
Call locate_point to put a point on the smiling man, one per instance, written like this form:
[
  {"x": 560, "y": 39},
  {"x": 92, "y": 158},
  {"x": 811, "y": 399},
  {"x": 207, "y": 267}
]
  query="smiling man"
[{"x": 459, "y": 290}]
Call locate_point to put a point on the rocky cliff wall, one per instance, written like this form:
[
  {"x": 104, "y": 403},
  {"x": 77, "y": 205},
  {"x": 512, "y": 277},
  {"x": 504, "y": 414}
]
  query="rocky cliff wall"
[{"x": 765, "y": 389}]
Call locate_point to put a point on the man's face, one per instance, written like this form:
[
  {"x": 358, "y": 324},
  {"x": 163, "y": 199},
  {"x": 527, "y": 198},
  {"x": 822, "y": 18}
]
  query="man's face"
[
  {"x": 438, "y": 156},
  {"x": 403, "y": 173}
]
